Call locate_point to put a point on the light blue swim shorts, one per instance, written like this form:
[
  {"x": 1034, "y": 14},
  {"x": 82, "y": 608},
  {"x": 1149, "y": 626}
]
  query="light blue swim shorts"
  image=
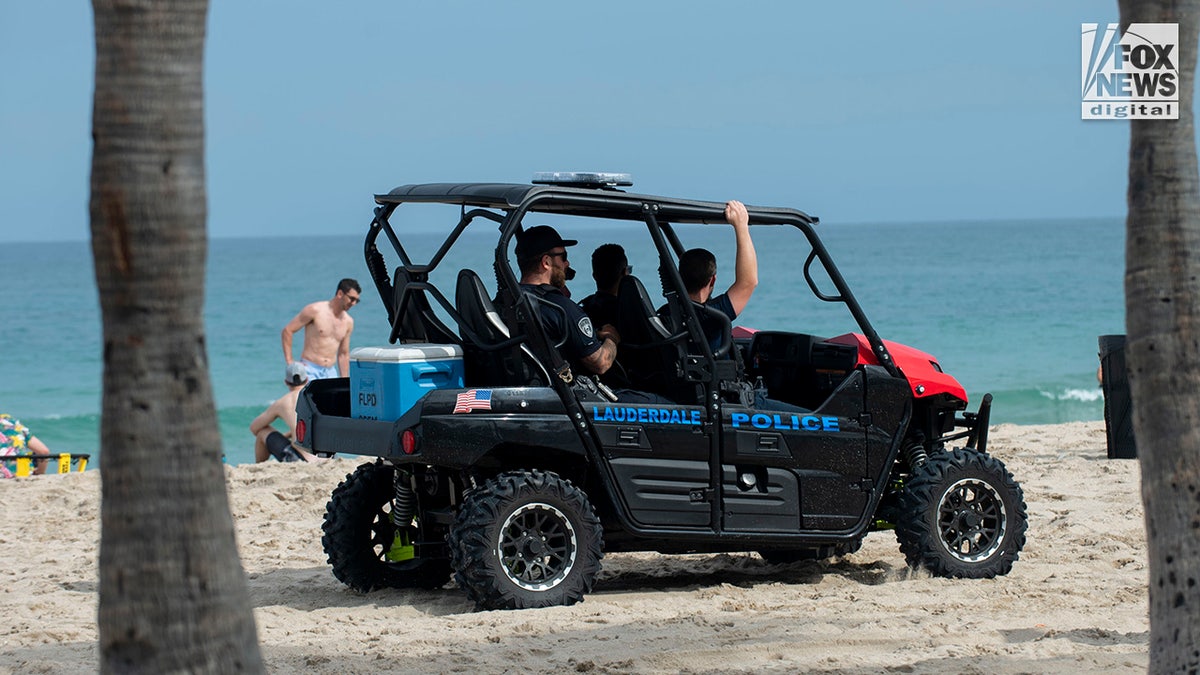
[{"x": 318, "y": 372}]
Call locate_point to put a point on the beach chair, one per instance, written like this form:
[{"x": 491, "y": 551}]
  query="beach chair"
[{"x": 24, "y": 463}]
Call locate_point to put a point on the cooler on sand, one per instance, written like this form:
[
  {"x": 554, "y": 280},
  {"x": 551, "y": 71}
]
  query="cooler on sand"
[{"x": 386, "y": 381}]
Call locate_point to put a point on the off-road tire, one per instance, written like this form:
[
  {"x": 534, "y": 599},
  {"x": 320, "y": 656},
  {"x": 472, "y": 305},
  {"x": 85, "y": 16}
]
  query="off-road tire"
[
  {"x": 526, "y": 539},
  {"x": 788, "y": 556},
  {"x": 961, "y": 514},
  {"x": 358, "y": 532}
]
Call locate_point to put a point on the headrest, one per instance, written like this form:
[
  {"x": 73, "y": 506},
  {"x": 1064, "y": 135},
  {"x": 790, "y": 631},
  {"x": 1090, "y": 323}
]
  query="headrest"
[
  {"x": 636, "y": 317},
  {"x": 631, "y": 292},
  {"x": 471, "y": 298}
]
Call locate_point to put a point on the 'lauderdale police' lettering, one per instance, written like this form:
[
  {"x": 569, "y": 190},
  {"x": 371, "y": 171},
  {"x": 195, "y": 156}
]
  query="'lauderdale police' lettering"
[
  {"x": 774, "y": 421},
  {"x": 777, "y": 422},
  {"x": 645, "y": 415}
]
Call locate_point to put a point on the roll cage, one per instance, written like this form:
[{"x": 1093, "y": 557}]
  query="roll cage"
[{"x": 406, "y": 293}]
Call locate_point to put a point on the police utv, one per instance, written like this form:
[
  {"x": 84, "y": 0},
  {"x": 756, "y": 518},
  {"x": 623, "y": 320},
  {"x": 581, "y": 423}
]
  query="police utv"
[{"x": 515, "y": 473}]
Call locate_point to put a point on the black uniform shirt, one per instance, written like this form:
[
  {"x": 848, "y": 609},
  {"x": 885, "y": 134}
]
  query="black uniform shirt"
[
  {"x": 601, "y": 308},
  {"x": 581, "y": 337}
]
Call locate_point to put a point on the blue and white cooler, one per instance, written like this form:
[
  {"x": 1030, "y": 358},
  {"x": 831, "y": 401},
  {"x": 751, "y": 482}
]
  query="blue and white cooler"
[{"x": 386, "y": 381}]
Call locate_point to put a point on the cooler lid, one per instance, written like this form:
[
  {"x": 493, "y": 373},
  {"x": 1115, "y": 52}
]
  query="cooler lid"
[{"x": 416, "y": 351}]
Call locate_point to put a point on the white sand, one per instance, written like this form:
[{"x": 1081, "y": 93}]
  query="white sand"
[{"x": 1074, "y": 602}]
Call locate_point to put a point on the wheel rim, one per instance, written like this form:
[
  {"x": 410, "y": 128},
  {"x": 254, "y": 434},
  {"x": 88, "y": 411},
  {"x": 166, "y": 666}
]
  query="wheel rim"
[
  {"x": 383, "y": 539},
  {"x": 971, "y": 520},
  {"x": 536, "y": 547},
  {"x": 383, "y": 533}
]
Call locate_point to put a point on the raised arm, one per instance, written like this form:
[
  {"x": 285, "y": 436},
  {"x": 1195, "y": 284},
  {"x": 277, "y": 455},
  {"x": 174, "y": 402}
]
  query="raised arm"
[{"x": 745, "y": 269}]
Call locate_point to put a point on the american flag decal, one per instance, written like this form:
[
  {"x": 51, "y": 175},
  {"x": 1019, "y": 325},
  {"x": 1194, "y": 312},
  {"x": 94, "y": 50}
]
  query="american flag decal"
[{"x": 473, "y": 399}]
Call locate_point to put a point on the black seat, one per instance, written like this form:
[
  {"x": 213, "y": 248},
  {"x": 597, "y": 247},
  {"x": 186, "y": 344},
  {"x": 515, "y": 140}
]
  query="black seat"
[
  {"x": 800, "y": 369},
  {"x": 490, "y": 353},
  {"x": 651, "y": 351}
]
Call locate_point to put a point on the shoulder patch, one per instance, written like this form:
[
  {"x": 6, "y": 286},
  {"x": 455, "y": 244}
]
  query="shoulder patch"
[{"x": 585, "y": 327}]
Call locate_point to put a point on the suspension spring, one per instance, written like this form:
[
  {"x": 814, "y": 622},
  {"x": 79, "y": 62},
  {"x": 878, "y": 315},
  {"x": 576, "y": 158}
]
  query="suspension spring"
[
  {"x": 404, "y": 503},
  {"x": 915, "y": 453}
]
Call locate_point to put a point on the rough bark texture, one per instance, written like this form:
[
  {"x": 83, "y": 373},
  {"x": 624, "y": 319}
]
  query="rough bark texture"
[
  {"x": 1162, "y": 300},
  {"x": 173, "y": 595}
]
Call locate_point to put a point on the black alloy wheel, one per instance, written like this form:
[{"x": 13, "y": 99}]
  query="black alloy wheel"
[
  {"x": 526, "y": 539},
  {"x": 962, "y": 514}
]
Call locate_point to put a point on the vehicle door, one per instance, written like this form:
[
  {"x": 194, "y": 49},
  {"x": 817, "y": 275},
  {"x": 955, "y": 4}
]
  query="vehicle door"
[
  {"x": 660, "y": 456},
  {"x": 785, "y": 471}
]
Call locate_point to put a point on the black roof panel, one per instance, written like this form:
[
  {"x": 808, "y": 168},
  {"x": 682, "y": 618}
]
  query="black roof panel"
[{"x": 579, "y": 201}]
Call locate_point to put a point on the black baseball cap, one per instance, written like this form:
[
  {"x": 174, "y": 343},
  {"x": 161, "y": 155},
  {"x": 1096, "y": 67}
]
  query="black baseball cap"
[{"x": 538, "y": 240}]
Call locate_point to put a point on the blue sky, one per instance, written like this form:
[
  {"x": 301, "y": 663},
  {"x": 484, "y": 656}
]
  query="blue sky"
[{"x": 856, "y": 112}]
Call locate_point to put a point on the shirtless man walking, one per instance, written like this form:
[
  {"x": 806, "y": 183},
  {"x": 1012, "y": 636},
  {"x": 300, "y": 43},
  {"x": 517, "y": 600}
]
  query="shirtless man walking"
[{"x": 327, "y": 326}]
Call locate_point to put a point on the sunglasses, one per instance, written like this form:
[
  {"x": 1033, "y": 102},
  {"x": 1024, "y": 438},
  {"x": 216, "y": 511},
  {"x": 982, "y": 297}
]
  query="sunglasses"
[
  {"x": 353, "y": 299},
  {"x": 560, "y": 254}
]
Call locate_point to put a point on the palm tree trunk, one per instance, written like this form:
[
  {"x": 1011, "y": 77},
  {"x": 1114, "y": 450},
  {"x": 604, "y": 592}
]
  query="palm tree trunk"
[
  {"x": 173, "y": 595},
  {"x": 1162, "y": 304}
]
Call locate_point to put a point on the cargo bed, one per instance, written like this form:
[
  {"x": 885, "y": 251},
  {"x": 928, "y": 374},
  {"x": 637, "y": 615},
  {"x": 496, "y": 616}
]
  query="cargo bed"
[{"x": 331, "y": 429}]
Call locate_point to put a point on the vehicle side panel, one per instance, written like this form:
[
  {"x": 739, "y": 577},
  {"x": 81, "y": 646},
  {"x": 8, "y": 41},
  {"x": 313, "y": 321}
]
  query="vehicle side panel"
[
  {"x": 890, "y": 406},
  {"x": 659, "y": 456},
  {"x": 824, "y": 451},
  {"x": 457, "y": 437},
  {"x": 530, "y": 416}
]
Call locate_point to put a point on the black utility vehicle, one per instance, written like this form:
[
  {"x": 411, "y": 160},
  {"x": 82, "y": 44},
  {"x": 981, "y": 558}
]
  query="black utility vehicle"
[{"x": 518, "y": 474}]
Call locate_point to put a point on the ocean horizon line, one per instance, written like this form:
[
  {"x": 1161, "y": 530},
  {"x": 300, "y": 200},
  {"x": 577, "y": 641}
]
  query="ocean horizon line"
[{"x": 823, "y": 221}]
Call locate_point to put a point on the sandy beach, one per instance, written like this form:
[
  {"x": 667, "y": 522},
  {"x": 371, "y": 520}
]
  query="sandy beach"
[{"x": 1074, "y": 602}]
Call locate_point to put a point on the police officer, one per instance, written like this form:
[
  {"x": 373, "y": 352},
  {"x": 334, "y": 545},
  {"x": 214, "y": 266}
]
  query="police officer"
[
  {"x": 698, "y": 268},
  {"x": 609, "y": 266},
  {"x": 542, "y": 259}
]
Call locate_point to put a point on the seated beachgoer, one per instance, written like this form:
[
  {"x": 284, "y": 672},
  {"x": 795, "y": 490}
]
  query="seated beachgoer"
[
  {"x": 16, "y": 439},
  {"x": 268, "y": 442}
]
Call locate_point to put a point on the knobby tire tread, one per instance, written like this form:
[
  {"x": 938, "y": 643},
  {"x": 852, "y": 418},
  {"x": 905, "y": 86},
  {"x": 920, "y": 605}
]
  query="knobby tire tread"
[
  {"x": 472, "y": 540},
  {"x": 917, "y": 527},
  {"x": 349, "y": 517}
]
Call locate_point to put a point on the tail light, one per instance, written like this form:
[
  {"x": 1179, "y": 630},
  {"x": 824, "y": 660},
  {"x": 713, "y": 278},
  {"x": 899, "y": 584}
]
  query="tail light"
[
  {"x": 301, "y": 430},
  {"x": 408, "y": 442}
]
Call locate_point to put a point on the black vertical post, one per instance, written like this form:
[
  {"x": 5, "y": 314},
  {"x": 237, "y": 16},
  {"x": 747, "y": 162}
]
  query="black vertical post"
[{"x": 1118, "y": 404}]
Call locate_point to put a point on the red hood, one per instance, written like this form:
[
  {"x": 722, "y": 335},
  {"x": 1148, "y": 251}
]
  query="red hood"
[{"x": 924, "y": 374}]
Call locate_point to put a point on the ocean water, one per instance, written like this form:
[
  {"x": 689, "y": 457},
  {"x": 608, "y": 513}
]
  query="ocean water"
[{"x": 1009, "y": 307}]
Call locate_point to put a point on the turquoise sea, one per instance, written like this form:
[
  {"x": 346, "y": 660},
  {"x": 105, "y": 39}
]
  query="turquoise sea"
[{"x": 1009, "y": 307}]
